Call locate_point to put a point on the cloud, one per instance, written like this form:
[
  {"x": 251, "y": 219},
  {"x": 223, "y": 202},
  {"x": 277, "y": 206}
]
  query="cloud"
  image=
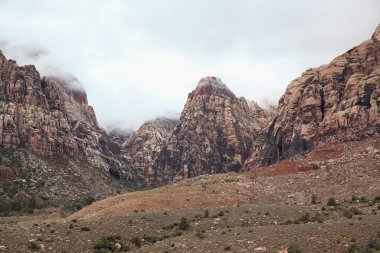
[{"x": 139, "y": 59}]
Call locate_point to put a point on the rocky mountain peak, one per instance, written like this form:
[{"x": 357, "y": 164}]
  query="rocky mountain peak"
[
  {"x": 214, "y": 135},
  {"x": 212, "y": 81},
  {"x": 2, "y": 55},
  {"x": 144, "y": 145},
  {"x": 334, "y": 103},
  {"x": 211, "y": 85},
  {"x": 376, "y": 34}
]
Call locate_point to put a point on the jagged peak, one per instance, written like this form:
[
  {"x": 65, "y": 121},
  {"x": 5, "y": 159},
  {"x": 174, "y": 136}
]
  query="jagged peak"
[
  {"x": 376, "y": 34},
  {"x": 212, "y": 81},
  {"x": 2, "y": 55}
]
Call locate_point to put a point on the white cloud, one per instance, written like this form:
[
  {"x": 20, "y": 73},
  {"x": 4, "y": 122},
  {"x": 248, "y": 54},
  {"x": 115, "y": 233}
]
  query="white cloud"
[{"x": 139, "y": 59}]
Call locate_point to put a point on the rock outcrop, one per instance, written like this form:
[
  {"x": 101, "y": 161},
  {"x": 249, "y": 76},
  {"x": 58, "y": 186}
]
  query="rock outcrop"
[
  {"x": 336, "y": 102},
  {"x": 51, "y": 118},
  {"x": 144, "y": 145},
  {"x": 215, "y": 134}
]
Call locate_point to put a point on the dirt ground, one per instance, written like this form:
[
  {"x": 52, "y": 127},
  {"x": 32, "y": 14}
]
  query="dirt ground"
[{"x": 263, "y": 210}]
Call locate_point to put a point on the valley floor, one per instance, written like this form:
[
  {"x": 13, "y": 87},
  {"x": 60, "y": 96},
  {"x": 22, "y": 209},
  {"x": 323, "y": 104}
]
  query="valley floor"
[{"x": 262, "y": 210}]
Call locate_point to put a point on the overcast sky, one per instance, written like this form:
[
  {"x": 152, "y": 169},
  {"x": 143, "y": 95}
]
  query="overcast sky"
[{"x": 139, "y": 59}]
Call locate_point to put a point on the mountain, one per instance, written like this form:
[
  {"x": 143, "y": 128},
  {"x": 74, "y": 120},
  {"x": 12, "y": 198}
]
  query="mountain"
[
  {"x": 333, "y": 103},
  {"x": 144, "y": 145},
  {"x": 215, "y": 133},
  {"x": 50, "y": 139}
]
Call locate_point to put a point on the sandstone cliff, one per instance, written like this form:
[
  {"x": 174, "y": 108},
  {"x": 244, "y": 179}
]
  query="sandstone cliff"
[
  {"x": 51, "y": 118},
  {"x": 215, "y": 134},
  {"x": 336, "y": 102},
  {"x": 144, "y": 145}
]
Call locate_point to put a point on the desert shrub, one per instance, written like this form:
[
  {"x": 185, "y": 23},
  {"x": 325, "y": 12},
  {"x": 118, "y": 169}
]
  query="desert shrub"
[
  {"x": 34, "y": 246},
  {"x": 306, "y": 218},
  {"x": 332, "y": 202},
  {"x": 201, "y": 233},
  {"x": 294, "y": 248},
  {"x": 136, "y": 241},
  {"x": 78, "y": 204},
  {"x": 227, "y": 248},
  {"x": 85, "y": 229},
  {"x": 206, "y": 214},
  {"x": 183, "y": 224},
  {"x": 349, "y": 213},
  {"x": 373, "y": 246},
  {"x": 152, "y": 238},
  {"x": 352, "y": 248},
  {"x": 221, "y": 213},
  {"x": 110, "y": 243},
  {"x": 313, "y": 199}
]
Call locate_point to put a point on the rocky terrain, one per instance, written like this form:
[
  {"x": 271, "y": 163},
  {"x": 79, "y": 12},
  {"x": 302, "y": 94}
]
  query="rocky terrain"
[
  {"x": 317, "y": 189},
  {"x": 215, "y": 133},
  {"x": 50, "y": 140},
  {"x": 143, "y": 146},
  {"x": 336, "y": 102},
  {"x": 326, "y": 200}
]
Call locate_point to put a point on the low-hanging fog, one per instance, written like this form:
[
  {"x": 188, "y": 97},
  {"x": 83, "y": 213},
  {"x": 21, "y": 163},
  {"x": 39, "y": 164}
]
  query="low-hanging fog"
[{"x": 139, "y": 59}]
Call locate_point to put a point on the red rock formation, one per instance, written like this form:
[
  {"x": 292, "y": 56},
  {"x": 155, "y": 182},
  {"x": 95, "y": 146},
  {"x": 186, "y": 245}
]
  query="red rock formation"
[
  {"x": 144, "y": 145},
  {"x": 336, "y": 102},
  {"x": 215, "y": 134},
  {"x": 51, "y": 117}
]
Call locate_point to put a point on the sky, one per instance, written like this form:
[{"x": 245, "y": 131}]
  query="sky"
[{"x": 139, "y": 59}]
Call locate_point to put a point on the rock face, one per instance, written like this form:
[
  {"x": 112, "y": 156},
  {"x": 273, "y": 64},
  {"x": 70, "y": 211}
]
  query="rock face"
[
  {"x": 52, "y": 118},
  {"x": 214, "y": 135},
  {"x": 336, "y": 102},
  {"x": 144, "y": 145}
]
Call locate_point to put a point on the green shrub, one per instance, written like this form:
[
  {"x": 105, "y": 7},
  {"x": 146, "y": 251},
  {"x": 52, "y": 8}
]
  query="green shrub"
[
  {"x": 136, "y": 241},
  {"x": 349, "y": 213},
  {"x": 110, "y": 243},
  {"x": 293, "y": 248},
  {"x": 332, "y": 202},
  {"x": 373, "y": 246},
  {"x": 183, "y": 224},
  {"x": 352, "y": 248},
  {"x": 313, "y": 199},
  {"x": 201, "y": 233},
  {"x": 34, "y": 246}
]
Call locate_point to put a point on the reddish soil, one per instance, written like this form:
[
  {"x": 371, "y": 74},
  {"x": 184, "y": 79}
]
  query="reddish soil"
[{"x": 282, "y": 168}]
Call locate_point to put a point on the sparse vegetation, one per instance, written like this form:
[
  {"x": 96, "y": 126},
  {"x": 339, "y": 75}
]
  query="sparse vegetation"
[
  {"x": 227, "y": 248},
  {"x": 78, "y": 204},
  {"x": 306, "y": 218},
  {"x": 294, "y": 248},
  {"x": 201, "y": 233},
  {"x": 206, "y": 213},
  {"x": 349, "y": 213},
  {"x": 184, "y": 224},
  {"x": 110, "y": 243},
  {"x": 85, "y": 229},
  {"x": 314, "y": 199},
  {"x": 136, "y": 241},
  {"x": 34, "y": 245},
  {"x": 332, "y": 202}
]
